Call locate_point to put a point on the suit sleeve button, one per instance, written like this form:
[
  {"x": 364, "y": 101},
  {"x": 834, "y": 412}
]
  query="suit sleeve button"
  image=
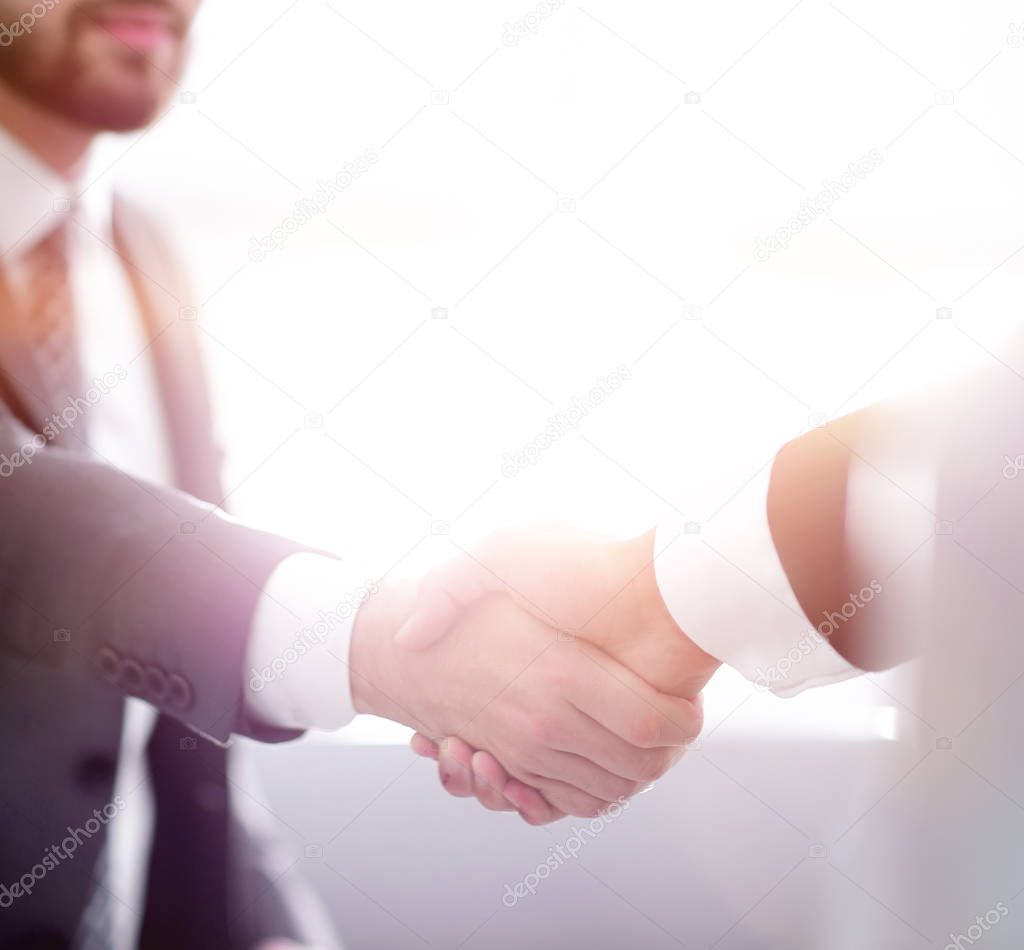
[
  {"x": 131, "y": 677},
  {"x": 155, "y": 684},
  {"x": 109, "y": 664},
  {"x": 179, "y": 693}
]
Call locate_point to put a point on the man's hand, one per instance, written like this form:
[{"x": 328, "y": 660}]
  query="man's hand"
[
  {"x": 594, "y": 589},
  {"x": 559, "y": 714},
  {"x": 601, "y": 591},
  {"x": 466, "y": 772}
]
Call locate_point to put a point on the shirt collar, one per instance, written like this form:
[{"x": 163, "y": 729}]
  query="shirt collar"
[{"x": 36, "y": 199}]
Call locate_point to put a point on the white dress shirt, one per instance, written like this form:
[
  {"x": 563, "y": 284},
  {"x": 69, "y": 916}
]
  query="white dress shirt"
[{"x": 724, "y": 585}]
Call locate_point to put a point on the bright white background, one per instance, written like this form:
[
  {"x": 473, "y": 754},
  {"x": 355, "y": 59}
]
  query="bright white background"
[
  {"x": 682, "y": 133},
  {"x": 461, "y": 212},
  {"x": 654, "y": 269}
]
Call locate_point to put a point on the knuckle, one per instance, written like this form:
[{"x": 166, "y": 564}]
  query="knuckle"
[
  {"x": 657, "y": 764},
  {"x": 572, "y": 801},
  {"x": 645, "y": 728},
  {"x": 568, "y": 801},
  {"x": 635, "y": 788},
  {"x": 648, "y": 770},
  {"x": 591, "y": 808},
  {"x": 453, "y": 785},
  {"x": 623, "y": 788},
  {"x": 491, "y": 801},
  {"x": 697, "y": 725}
]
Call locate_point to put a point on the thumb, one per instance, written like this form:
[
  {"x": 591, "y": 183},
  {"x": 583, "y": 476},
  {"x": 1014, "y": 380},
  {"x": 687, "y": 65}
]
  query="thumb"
[{"x": 443, "y": 594}]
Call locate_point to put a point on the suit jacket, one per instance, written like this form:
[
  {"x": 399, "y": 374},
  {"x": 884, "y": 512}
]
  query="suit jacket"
[{"x": 111, "y": 587}]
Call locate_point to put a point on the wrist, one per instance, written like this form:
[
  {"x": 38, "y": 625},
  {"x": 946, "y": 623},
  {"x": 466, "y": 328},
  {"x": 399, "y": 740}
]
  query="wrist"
[
  {"x": 373, "y": 662},
  {"x": 654, "y": 611},
  {"x": 362, "y": 658}
]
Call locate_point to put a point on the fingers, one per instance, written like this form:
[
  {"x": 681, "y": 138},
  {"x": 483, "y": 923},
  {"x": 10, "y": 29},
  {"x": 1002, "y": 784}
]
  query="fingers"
[
  {"x": 566, "y": 798},
  {"x": 511, "y": 562},
  {"x": 584, "y": 775},
  {"x": 486, "y": 777},
  {"x": 423, "y": 746},
  {"x": 454, "y": 765},
  {"x": 628, "y": 706},
  {"x": 627, "y": 762},
  {"x": 580, "y": 728},
  {"x": 531, "y": 805},
  {"x": 489, "y": 780},
  {"x": 587, "y": 724},
  {"x": 444, "y": 592},
  {"x": 429, "y": 621},
  {"x": 575, "y": 742},
  {"x": 448, "y": 590},
  {"x": 465, "y": 773},
  {"x": 491, "y": 784}
]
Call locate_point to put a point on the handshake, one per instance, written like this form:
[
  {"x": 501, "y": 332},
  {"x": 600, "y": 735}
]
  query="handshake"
[{"x": 543, "y": 671}]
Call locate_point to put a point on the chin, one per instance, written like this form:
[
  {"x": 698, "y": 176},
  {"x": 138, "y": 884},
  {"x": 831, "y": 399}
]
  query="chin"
[
  {"x": 115, "y": 93},
  {"x": 117, "y": 97},
  {"x": 114, "y": 114}
]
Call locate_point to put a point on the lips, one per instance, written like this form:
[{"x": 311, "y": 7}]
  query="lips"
[{"x": 143, "y": 26}]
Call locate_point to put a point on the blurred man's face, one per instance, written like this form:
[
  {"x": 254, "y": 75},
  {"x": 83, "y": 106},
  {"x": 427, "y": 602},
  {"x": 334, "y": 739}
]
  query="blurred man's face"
[{"x": 104, "y": 64}]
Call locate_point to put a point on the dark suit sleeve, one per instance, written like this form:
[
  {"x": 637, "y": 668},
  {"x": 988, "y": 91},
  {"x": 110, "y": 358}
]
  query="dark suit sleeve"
[{"x": 141, "y": 587}]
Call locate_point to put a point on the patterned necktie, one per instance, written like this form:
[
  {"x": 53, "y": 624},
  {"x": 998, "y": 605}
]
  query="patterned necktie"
[{"x": 49, "y": 314}]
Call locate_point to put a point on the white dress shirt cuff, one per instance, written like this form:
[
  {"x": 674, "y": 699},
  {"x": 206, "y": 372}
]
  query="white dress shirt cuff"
[
  {"x": 725, "y": 587},
  {"x": 297, "y": 673}
]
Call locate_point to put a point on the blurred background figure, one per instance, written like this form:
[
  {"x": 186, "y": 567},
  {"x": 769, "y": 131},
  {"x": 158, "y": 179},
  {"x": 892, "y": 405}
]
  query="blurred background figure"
[{"x": 128, "y": 817}]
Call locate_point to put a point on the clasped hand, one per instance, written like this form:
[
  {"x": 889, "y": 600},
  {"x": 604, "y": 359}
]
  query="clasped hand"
[{"x": 542, "y": 670}]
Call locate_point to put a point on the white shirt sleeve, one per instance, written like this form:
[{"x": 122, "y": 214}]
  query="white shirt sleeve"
[
  {"x": 297, "y": 673},
  {"x": 724, "y": 585}
]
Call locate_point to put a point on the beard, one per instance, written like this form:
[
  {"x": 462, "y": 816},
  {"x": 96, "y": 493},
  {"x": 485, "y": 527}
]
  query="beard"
[{"x": 79, "y": 73}]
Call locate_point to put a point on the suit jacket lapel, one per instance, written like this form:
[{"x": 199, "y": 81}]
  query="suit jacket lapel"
[{"x": 165, "y": 305}]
